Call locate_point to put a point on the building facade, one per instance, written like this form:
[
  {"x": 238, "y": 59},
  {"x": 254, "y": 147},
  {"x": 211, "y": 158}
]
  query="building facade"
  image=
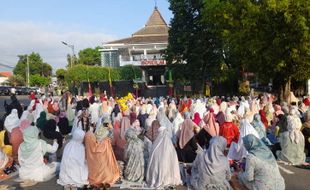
[{"x": 145, "y": 48}]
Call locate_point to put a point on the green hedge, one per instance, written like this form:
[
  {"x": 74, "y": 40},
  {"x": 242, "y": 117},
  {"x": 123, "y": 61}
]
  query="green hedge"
[{"x": 84, "y": 73}]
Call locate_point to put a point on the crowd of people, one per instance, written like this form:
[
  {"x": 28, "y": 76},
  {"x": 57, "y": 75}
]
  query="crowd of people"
[{"x": 96, "y": 142}]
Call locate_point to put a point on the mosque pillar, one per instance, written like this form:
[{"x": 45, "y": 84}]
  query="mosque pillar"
[{"x": 143, "y": 75}]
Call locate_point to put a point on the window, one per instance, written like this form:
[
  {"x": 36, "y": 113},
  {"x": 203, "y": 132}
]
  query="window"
[{"x": 110, "y": 59}]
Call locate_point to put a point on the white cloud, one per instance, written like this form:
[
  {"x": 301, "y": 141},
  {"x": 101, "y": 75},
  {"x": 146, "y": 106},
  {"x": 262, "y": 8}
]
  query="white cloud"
[{"x": 45, "y": 38}]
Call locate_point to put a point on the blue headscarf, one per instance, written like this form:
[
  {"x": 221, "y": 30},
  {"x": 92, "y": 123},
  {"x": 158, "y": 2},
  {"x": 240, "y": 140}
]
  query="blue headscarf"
[
  {"x": 215, "y": 160},
  {"x": 257, "y": 122},
  {"x": 256, "y": 147},
  {"x": 260, "y": 128},
  {"x": 157, "y": 102}
]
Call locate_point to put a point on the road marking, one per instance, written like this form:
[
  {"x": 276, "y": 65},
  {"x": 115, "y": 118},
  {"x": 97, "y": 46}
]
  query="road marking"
[{"x": 285, "y": 170}]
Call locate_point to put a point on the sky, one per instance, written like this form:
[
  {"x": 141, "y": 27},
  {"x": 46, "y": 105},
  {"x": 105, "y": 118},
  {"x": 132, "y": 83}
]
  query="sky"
[{"x": 39, "y": 26}]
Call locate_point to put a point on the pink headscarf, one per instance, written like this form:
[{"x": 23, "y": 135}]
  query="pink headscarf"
[
  {"x": 24, "y": 124},
  {"x": 197, "y": 118},
  {"x": 187, "y": 132},
  {"x": 278, "y": 110},
  {"x": 212, "y": 127}
]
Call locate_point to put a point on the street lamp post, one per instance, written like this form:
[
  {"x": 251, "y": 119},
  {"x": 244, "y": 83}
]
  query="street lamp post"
[{"x": 72, "y": 48}]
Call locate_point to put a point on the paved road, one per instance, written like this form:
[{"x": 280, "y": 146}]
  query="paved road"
[{"x": 295, "y": 179}]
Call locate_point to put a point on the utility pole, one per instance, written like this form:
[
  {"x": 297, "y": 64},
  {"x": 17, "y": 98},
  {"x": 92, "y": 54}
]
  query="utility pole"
[
  {"x": 27, "y": 79},
  {"x": 72, "y": 59},
  {"x": 72, "y": 48}
]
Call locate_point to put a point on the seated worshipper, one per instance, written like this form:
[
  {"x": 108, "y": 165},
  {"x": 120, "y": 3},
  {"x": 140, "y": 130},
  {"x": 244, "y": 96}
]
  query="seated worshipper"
[
  {"x": 63, "y": 124},
  {"x": 237, "y": 151},
  {"x": 115, "y": 111},
  {"x": 11, "y": 121},
  {"x": 292, "y": 143},
  {"x": 306, "y": 132},
  {"x": 142, "y": 116},
  {"x": 178, "y": 120},
  {"x": 106, "y": 110},
  {"x": 200, "y": 108},
  {"x": 17, "y": 137},
  {"x": 5, "y": 144},
  {"x": 103, "y": 170},
  {"x": 136, "y": 126},
  {"x": 7, "y": 166},
  {"x": 260, "y": 128},
  {"x": 229, "y": 130},
  {"x": 282, "y": 123},
  {"x": 70, "y": 112},
  {"x": 94, "y": 110},
  {"x": 133, "y": 114},
  {"x": 30, "y": 157},
  {"x": 133, "y": 156},
  {"x": 151, "y": 117},
  {"x": 164, "y": 121},
  {"x": 197, "y": 119},
  {"x": 73, "y": 167},
  {"x": 163, "y": 167},
  {"x": 83, "y": 120},
  {"x": 210, "y": 169},
  {"x": 41, "y": 121},
  {"x": 28, "y": 112},
  {"x": 51, "y": 133},
  {"x": 209, "y": 130},
  {"x": 187, "y": 145},
  {"x": 172, "y": 111},
  {"x": 149, "y": 137},
  {"x": 220, "y": 117},
  {"x": 261, "y": 169},
  {"x": 118, "y": 143},
  {"x": 55, "y": 107},
  {"x": 263, "y": 117},
  {"x": 119, "y": 136}
]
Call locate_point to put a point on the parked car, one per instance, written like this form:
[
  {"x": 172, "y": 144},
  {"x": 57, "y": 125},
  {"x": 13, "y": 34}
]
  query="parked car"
[{"x": 5, "y": 90}]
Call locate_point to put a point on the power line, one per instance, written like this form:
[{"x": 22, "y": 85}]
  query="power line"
[
  {"x": 5, "y": 65},
  {"x": 7, "y": 62}
]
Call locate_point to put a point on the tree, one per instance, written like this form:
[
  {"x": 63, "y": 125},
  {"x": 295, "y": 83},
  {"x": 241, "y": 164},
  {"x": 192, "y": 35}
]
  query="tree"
[
  {"x": 83, "y": 73},
  {"x": 90, "y": 56},
  {"x": 221, "y": 40},
  {"x": 75, "y": 60},
  {"x": 60, "y": 74},
  {"x": 76, "y": 74},
  {"x": 191, "y": 41},
  {"x": 38, "y": 80},
  {"x": 16, "y": 80},
  {"x": 129, "y": 72},
  {"x": 284, "y": 46},
  {"x": 36, "y": 66},
  {"x": 267, "y": 37}
]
